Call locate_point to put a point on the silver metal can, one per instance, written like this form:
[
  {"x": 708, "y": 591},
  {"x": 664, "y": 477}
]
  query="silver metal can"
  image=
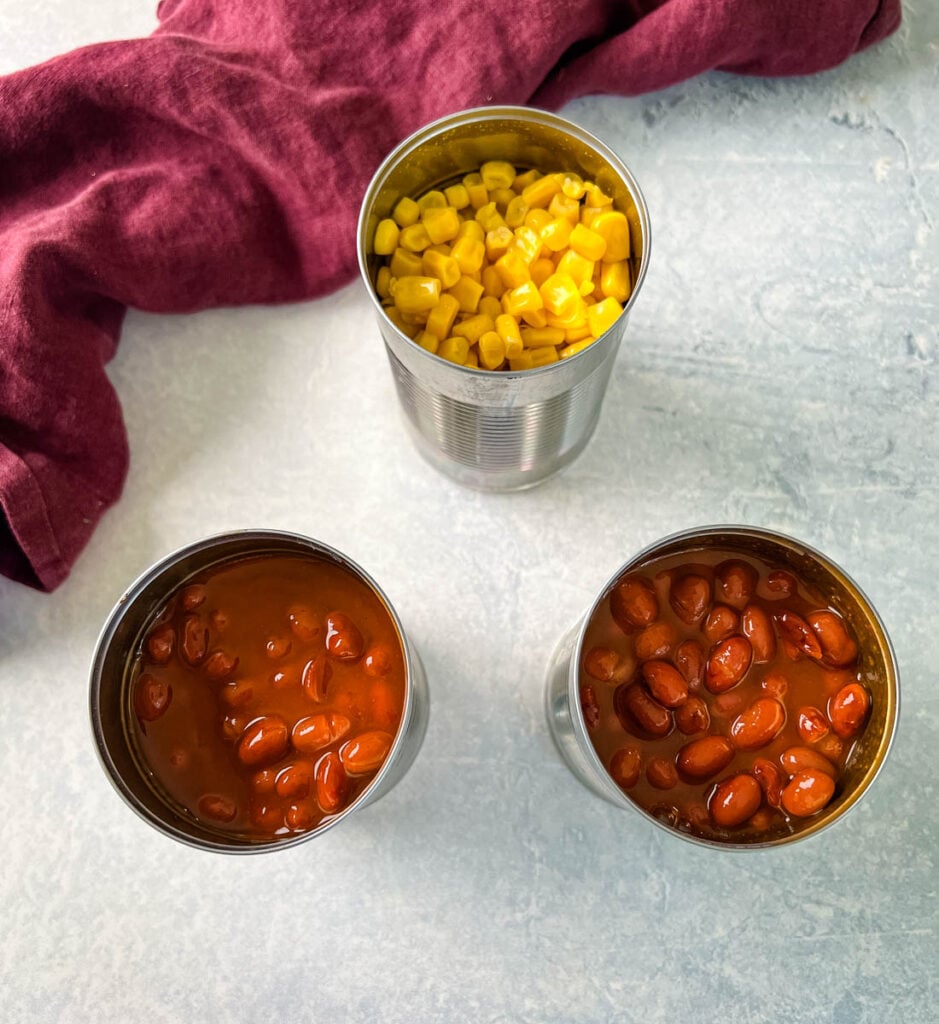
[
  {"x": 499, "y": 431},
  {"x": 110, "y": 675},
  {"x": 877, "y": 666}
]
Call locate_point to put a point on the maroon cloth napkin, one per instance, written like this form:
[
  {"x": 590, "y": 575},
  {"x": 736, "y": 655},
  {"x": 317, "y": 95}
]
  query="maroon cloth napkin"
[{"x": 222, "y": 161}]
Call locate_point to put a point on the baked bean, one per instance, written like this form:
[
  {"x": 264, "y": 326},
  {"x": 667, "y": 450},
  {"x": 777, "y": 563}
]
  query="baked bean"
[
  {"x": 304, "y": 622},
  {"x": 761, "y": 821},
  {"x": 217, "y": 807},
  {"x": 192, "y": 597},
  {"x": 315, "y": 678},
  {"x": 792, "y": 651},
  {"x": 218, "y": 620},
  {"x": 636, "y": 710},
  {"x": 758, "y": 629},
  {"x": 264, "y": 741},
  {"x": 302, "y": 814},
  {"x": 759, "y": 724},
  {"x": 727, "y": 664},
  {"x": 728, "y": 705},
  {"x": 668, "y": 814},
  {"x": 277, "y": 647},
  {"x": 838, "y": 646},
  {"x": 590, "y": 706},
  {"x": 195, "y": 640},
  {"x": 801, "y": 759},
  {"x": 665, "y": 683},
  {"x": 782, "y": 583},
  {"x": 735, "y": 800},
  {"x": 160, "y": 643},
  {"x": 690, "y": 660},
  {"x": 813, "y": 725},
  {"x": 655, "y": 641},
  {"x": 343, "y": 639},
  {"x": 332, "y": 783},
  {"x": 692, "y": 716},
  {"x": 833, "y": 679},
  {"x": 775, "y": 684},
  {"x": 366, "y": 752},
  {"x": 264, "y": 781},
  {"x": 832, "y": 747},
  {"x": 237, "y": 693},
  {"x": 847, "y": 710},
  {"x": 721, "y": 621},
  {"x": 625, "y": 766},
  {"x": 735, "y": 581},
  {"x": 265, "y": 815},
  {"x": 689, "y": 597},
  {"x": 771, "y": 780},
  {"x": 601, "y": 663},
  {"x": 318, "y": 731},
  {"x": 220, "y": 665},
  {"x": 696, "y": 817},
  {"x": 233, "y": 726},
  {"x": 296, "y": 780},
  {"x": 797, "y": 631},
  {"x": 378, "y": 661},
  {"x": 633, "y": 604},
  {"x": 152, "y": 698},
  {"x": 700, "y": 759},
  {"x": 661, "y": 773},
  {"x": 807, "y": 793}
]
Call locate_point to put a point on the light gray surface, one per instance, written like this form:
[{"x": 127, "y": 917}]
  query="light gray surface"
[{"x": 780, "y": 369}]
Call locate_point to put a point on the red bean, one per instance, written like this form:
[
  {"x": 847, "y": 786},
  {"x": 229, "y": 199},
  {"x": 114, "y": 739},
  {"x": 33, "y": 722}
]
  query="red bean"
[
  {"x": 343, "y": 639},
  {"x": 728, "y": 705},
  {"x": 318, "y": 731},
  {"x": 735, "y": 800},
  {"x": 160, "y": 643},
  {"x": 315, "y": 678},
  {"x": 266, "y": 815},
  {"x": 758, "y": 629},
  {"x": 689, "y": 597},
  {"x": 633, "y": 604},
  {"x": 728, "y": 664},
  {"x": 722, "y": 621},
  {"x": 304, "y": 622},
  {"x": 782, "y": 583},
  {"x": 366, "y": 753},
  {"x": 217, "y": 807},
  {"x": 734, "y": 582},
  {"x": 296, "y": 780},
  {"x": 692, "y": 716},
  {"x": 801, "y": 759},
  {"x": 590, "y": 706},
  {"x": 797, "y": 631},
  {"x": 700, "y": 759},
  {"x": 655, "y": 641},
  {"x": 625, "y": 766},
  {"x": 277, "y": 647},
  {"x": 637, "y": 711},
  {"x": 220, "y": 665},
  {"x": 759, "y": 724},
  {"x": 838, "y": 646},
  {"x": 771, "y": 780},
  {"x": 813, "y": 725},
  {"x": 807, "y": 793},
  {"x": 832, "y": 747},
  {"x": 237, "y": 694},
  {"x": 234, "y": 725},
  {"x": 601, "y": 663},
  {"x": 301, "y": 815},
  {"x": 378, "y": 661},
  {"x": 192, "y": 597},
  {"x": 776, "y": 685},
  {"x": 332, "y": 784},
  {"x": 665, "y": 683},
  {"x": 661, "y": 773},
  {"x": 847, "y": 710},
  {"x": 264, "y": 781},
  {"x": 195, "y": 639},
  {"x": 152, "y": 698},
  {"x": 690, "y": 660},
  {"x": 264, "y": 741}
]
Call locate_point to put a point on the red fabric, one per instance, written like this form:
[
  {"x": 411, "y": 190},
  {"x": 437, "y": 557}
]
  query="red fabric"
[{"x": 222, "y": 161}]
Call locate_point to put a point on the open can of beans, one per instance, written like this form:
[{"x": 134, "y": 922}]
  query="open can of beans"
[
  {"x": 252, "y": 690},
  {"x": 503, "y": 248},
  {"x": 731, "y": 684}
]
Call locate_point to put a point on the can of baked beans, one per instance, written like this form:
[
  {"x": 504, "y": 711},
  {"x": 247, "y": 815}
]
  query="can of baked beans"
[
  {"x": 253, "y": 690},
  {"x": 505, "y": 430},
  {"x": 731, "y": 684}
]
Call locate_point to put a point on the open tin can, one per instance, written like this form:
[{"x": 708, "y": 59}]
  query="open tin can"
[{"x": 504, "y": 430}]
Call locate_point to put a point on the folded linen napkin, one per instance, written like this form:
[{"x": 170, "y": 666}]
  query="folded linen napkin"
[{"x": 222, "y": 161}]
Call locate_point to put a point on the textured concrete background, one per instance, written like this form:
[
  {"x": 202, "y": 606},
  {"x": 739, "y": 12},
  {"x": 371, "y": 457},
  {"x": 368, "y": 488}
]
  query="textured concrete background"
[{"x": 780, "y": 369}]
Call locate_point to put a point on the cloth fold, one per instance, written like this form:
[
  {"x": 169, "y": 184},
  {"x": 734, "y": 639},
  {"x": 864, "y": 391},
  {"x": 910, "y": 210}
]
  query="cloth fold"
[{"x": 222, "y": 160}]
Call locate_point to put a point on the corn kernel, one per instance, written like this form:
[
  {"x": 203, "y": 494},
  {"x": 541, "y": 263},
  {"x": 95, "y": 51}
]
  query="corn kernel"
[
  {"x": 476, "y": 190},
  {"x": 603, "y": 315},
  {"x": 560, "y": 295},
  {"x": 556, "y": 234},
  {"x": 405, "y": 264},
  {"x": 587, "y": 243},
  {"x": 573, "y": 334},
  {"x": 492, "y": 282},
  {"x": 502, "y": 197},
  {"x": 471, "y": 229},
  {"x": 444, "y": 267},
  {"x": 468, "y": 293},
  {"x": 521, "y": 362},
  {"x": 457, "y": 197},
  {"x": 442, "y": 223},
  {"x": 615, "y": 281},
  {"x": 383, "y": 282},
  {"x": 428, "y": 341},
  {"x": 491, "y": 350},
  {"x": 489, "y": 217},
  {"x": 469, "y": 254},
  {"x": 415, "y": 238},
  {"x": 527, "y": 243},
  {"x": 513, "y": 269},
  {"x": 521, "y": 298},
  {"x": 454, "y": 350},
  {"x": 490, "y": 306},
  {"x": 543, "y": 356},
  {"x": 497, "y": 174},
  {"x": 535, "y": 317},
  {"x": 596, "y": 196},
  {"x": 561, "y": 206},
  {"x": 497, "y": 242},
  {"x": 386, "y": 237},
  {"x": 440, "y": 247},
  {"x": 404, "y": 326},
  {"x": 416, "y": 294},
  {"x": 536, "y": 337},
  {"x": 577, "y": 317},
  {"x": 542, "y": 191},
  {"x": 508, "y": 330},
  {"x": 572, "y": 185},
  {"x": 440, "y": 319},
  {"x": 515, "y": 212},
  {"x": 523, "y": 180},
  {"x": 474, "y": 327},
  {"x": 537, "y": 219},
  {"x": 541, "y": 270},
  {"x": 614, "y": 228},
  {"x": 472, "y": 360},
  {"x": 589, "y": 214},
  {"x": 406, "y": 212},
  {"x": 580, "y": 269},
  {"x": 434, "y": 199},
  {"x": 576, "y": 346}
]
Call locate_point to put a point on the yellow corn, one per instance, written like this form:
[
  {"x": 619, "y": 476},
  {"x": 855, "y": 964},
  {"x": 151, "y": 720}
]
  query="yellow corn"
[
  {"x": 523, "y": 180},
  {"x": 542, "y": 191},
  {"x": 508, "y": 330},
  {"x": 562, "y": 206},
  {"x": 596, "y": 196},
  {"x": 536, "y": 337},
  {"x": 587, "y": 243},
  {"x": 415, "y": 238},
  {"x": 577, "y": 317},
  {"x": 575, "y": 347},
  {"x": 515, "y": 212},
  {"x": 383, "y": 282},
  {"x": 471, "y": 229},
  {"x": 497, "y": 242},
  {"x": 513, "y": 269},
  {"x": 524, "y": 297},
  {"x": 579, "y": 268},
  {"x": 489, "y": 217},
  {"x": 406, "y": 212},
  {"x": 560, "y": 295},
  {"x": 521, "y": 362},
  {"x": 440, "y": 319},
  {"x": 615, "y": 281},
  {"x": 428, "y": 341},
  {"x": 602, "y": 316},
  {"x": 404, "y": 326},
  {"x": 572, "y": 185},
  {"x": 490, "y": 306},
  {"x": 535, "y": 317},
  {"x": 573, "y": 334},
  {"x": 405, "y": 264},
  {"x": 472, "y": 359},
  {"x": 435, "y": 264},
  {"x": 527, "y": 244},
  {"x": 469, "y": 253},
  {"x": 442, "y": 223},
  {"x": 541, "y": 270},
  {"x": 386, "y": 237},
  {"x": 454, "y": 350},
  {"x": 457, "y": 197},
  {"x": 556, "y": 234},
  {"x": 432, "y": 200},
  {"x": 497, "y": 174},
  {"x": 614, "y": 228},
  {"x": 537, "y": 219},
  {"x": 468, "y": 293},
  {"x": 543, "y": 356},
  {"x": 476, "y": 190},
  {"x": 474, "y": 327},
  {"x": 502, "y": 197},
  {"x": 491, "y": 350},
  {"x": 416, "y": 294},
  {"x": 492, "y": 282}
]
